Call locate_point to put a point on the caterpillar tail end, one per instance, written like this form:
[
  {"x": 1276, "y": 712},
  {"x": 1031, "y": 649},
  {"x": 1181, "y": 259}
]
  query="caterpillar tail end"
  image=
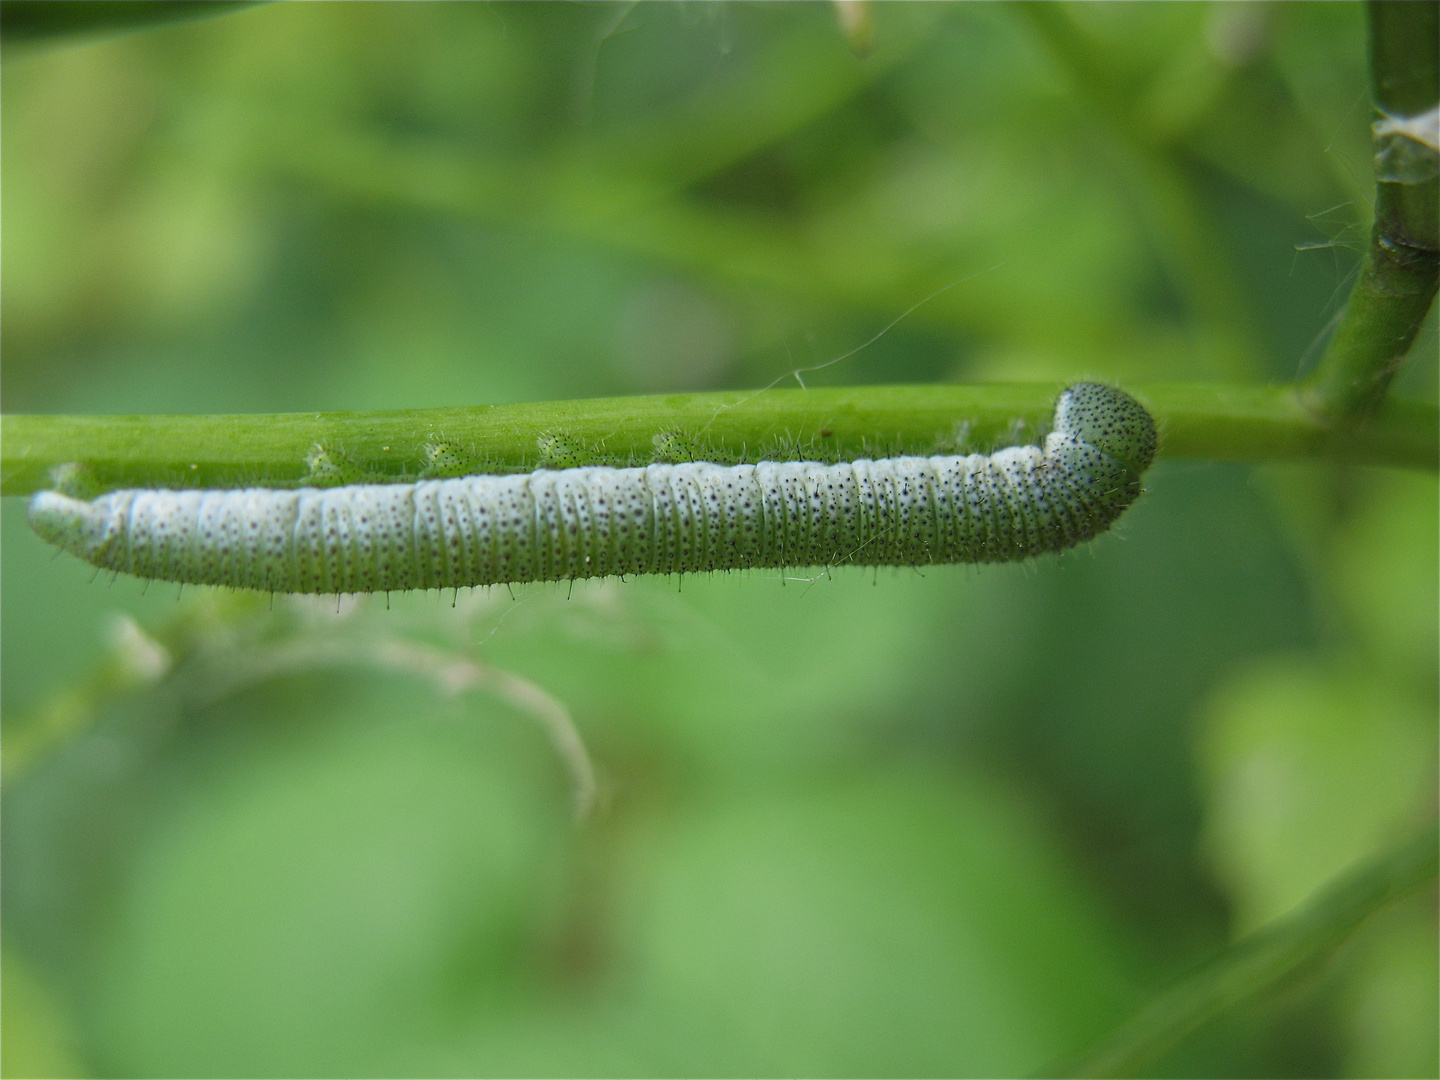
[{"x": 77, "y": 526}]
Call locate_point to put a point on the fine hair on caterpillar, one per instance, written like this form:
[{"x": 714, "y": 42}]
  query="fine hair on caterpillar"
[{"x": 558, "y": 524}]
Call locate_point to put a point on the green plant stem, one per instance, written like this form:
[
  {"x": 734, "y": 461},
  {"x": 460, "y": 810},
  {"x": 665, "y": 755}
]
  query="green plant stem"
[
  {"x": 1210, "y": 420},
  {"x": 1262, "y": 960},
  {"x": 1398, "y": 278}
]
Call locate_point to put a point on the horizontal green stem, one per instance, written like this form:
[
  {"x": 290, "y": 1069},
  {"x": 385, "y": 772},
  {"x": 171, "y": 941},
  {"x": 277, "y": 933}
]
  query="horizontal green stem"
[
  {"x": 1262, "y": 960},
  {"x": 1209, "y": 420}
]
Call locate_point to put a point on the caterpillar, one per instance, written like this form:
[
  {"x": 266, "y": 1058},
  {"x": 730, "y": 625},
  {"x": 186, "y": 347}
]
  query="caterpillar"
[{"x": 663, "y": 518}]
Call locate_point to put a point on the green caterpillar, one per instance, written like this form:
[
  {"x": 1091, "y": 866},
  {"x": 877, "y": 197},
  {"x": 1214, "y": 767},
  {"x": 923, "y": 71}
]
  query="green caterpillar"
[{"x": 687, "y": 517}]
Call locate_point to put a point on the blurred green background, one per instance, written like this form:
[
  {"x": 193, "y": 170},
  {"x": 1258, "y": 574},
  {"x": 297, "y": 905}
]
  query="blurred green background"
[{"x": 958, "y": 822}]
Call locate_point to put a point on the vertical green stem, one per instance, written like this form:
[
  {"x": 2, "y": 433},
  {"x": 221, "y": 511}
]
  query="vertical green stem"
[{"x": 1397, "y": 281}]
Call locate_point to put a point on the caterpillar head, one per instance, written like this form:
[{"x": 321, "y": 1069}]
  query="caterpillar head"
[{"x": 1111, "y": 421}]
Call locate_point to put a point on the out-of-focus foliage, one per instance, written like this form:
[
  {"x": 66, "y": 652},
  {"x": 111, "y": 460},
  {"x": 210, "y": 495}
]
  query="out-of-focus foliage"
[
  {"x": 25, "y": 21},
  {"x": 957, "y": 822}
]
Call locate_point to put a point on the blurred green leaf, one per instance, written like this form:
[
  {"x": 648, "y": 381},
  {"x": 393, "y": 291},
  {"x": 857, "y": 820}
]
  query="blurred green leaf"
[
  {"x": 38, "y": 1038},
  {"x": 1387, "y": 574},
  {"x": 1391, "y": 997},
  {"x": 40, "y": 20},
  {"x": 1309, "y": 767},
  {"x": 1259, "y": 965}
]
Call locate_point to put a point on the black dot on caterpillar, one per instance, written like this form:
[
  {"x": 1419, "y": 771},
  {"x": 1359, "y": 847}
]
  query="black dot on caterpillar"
[{"x": 566, "y": 523}]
